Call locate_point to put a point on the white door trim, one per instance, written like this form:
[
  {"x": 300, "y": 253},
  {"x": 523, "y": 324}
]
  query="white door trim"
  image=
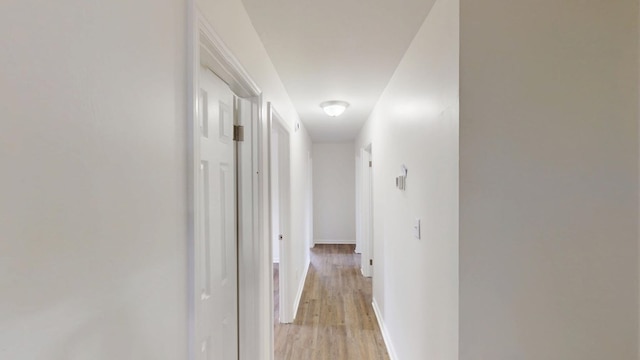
[
  {"x": 366, "y": 211},
  {"x": 275, "y": 121},
  {"x": 358, "y": 205},
  {"x": 206, "y": 48},
  {"x": 310, "y": 201}
]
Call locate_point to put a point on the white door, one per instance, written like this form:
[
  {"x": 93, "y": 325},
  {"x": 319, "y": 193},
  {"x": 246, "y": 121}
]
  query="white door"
[
  {"x": 216, "y": 246},
  {"x": 275, "y": 200},
  {"x": 284, "y": 226},
  {"x": 280, "y": 198},
  {"x": 366, "y": 201}
]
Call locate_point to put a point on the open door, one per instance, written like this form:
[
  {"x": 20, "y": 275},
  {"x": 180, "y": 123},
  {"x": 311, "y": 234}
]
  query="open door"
[
  {"x": 366, "y": 207},
  {"x": 216, "y": 275},
  {"x": 225, "y": 204},
  {"x": 279, "y": 190}
]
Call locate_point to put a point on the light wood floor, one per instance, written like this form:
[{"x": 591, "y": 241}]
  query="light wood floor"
[{"x": 335, "y": 320}]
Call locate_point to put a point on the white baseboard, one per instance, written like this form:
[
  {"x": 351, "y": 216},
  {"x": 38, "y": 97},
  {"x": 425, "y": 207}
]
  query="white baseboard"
[
  {"x": 333, "y": 241},
  {"x": 300, "y": 289},
  {"x": 385, "y": 334}
]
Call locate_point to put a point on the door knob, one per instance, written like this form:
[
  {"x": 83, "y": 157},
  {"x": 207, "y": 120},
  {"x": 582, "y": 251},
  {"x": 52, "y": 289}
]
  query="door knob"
[{"x": 280, "y": 237}]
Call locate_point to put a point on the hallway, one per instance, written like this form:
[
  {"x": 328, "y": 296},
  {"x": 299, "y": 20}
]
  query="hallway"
[
  {"x": 159, "y": 156},
  {"x": 335, "y": 319}
]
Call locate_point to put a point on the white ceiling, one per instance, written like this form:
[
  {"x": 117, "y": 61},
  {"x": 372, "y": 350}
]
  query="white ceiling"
[{"x": 336, "y": 50}]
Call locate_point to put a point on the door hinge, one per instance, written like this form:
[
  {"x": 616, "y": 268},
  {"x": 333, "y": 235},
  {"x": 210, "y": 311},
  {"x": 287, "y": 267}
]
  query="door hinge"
[
  {"x": 370, "y": 163},
  {"x": 238, "y": 133},
  {"x": 371, "y": 262}
]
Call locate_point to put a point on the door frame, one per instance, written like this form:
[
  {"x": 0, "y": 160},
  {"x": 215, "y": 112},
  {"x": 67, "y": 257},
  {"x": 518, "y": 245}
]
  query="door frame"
[
  {"x": 310, "y": 243},
  {"x": 366, "y": 210},
  {"x": 276, "y": 123},
  {"x": 358, "y": 186},
  {"x": 206, "y": 48}
]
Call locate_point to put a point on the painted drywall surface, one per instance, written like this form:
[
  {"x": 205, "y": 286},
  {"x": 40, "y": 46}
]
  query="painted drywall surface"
[
  {"x": 93, "y": 210},
  {"x": 334, "y": 192},
  {"x": 549, "y": 180},
  {"x": 416, "y": 123}
]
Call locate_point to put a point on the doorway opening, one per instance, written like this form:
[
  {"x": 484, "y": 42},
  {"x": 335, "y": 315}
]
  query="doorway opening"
[
  {"x": 280, "y": 199},
  {"x": 225, "y": 206},
  {"x": 365, "y": 221}
]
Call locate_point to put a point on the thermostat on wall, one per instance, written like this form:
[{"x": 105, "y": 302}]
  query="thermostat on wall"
[{"x": 401, "y": 181}]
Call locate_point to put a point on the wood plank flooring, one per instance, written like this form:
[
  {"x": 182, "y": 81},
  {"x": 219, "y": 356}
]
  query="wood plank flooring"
[{"x": 335, "y": 320}]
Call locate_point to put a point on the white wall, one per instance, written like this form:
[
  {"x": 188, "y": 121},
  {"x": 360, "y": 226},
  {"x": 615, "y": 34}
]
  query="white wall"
[
  {"x": 93, "y": 217},
  {"x": 549, "y": 180},
  {"x": 416, "y": 123},
  {"x": 334, "y": 192}
]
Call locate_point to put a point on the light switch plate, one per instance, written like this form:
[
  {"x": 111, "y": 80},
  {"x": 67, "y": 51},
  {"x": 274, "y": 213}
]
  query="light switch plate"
[{"x": 416, "y": 229}]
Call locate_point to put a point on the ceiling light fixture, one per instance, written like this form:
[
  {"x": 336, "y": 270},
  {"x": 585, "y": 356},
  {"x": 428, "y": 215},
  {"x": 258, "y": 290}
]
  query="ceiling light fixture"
[{"x": 334, "y": 108}]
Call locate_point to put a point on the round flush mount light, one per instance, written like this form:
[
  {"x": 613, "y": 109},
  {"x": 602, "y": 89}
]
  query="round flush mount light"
[{"x": 334, "y": 108}]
